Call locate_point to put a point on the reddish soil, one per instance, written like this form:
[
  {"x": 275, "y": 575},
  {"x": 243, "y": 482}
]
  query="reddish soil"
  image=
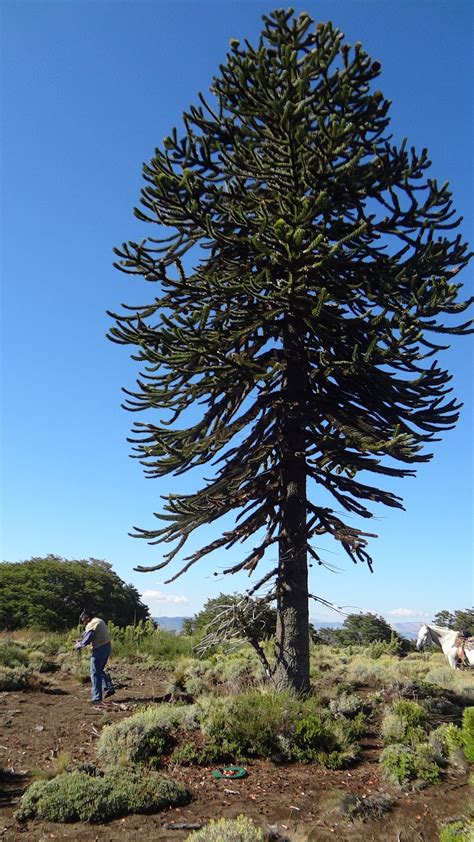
[{"x": 38, "y": 727}]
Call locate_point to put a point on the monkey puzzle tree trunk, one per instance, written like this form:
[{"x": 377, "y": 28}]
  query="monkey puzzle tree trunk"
[{"x": 292, "y": 636}]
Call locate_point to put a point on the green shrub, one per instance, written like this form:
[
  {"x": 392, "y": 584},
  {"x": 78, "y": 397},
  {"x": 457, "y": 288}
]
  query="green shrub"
[
  {"x": 413, "y": 714},
  {"x": 426, "y": 767},
  {"x": 468, "y": 733},
  {"x": 13, "y": 654},
  {"x": 439, "y": 744},
  {"x": 346, "y": 704},
  {"x": 240, "y": 829},
  {"x": 378, "y": 648},
  {"x": 405, "y": 723},
  {"x": 76, "y": 796},
  {"x": 40, "y": 662},
  {"x": 312, "y": 738},
  {"x": 457, "y": 832},
  {"x": 277, "y": 726},
  {"x": 398, "y": 763},
  {"x": 246, "y": 725},
  {"x": 145, "y": 736},
  {"x": 402, "y": 763},
  {"x": 14, "y": 678},
  {"x": 143, "y": 640},
  {"x": 186, "y": 754}
]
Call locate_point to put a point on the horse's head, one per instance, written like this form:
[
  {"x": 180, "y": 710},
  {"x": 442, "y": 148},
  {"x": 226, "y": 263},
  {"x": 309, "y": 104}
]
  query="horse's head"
[{"x": 423, "y": 638}]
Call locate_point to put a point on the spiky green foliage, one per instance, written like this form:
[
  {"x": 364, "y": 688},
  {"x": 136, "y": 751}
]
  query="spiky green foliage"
[{"x": 307, "y": 261}]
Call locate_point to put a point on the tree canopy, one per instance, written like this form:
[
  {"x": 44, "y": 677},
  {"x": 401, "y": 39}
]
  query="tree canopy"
[
  {"x": 50, "y": 593},
  {"x": 459, "y": 619},
  {"x": 301, "y": 264}
]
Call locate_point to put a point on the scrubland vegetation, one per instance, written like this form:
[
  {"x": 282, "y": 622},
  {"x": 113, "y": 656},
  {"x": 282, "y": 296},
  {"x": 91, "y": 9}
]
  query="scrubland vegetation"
[{"x": 223, "y": 710}]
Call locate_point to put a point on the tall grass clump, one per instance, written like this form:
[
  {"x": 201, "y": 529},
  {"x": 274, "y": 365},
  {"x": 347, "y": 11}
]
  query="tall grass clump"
[
  {"x": 13, "y": 654},
  {"x": 144, "y": 641}
]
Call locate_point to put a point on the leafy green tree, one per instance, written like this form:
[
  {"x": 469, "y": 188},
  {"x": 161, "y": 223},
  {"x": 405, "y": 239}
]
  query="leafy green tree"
[
  {"x": 457, "y": 620},
  {"x": 464, "y": 620},
  {"x": 49, "y": 593},
  {"x": 301, "y": 264},
  {"x": 444, "y": 618},
  {"x": 365, "y": 628}
]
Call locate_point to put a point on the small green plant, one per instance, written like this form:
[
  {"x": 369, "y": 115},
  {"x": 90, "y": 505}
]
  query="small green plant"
[
  {"x": 378, "y": 648},
  {"x": 460, "y": 831},
  {"x": 413, "y": 714},
  {"x": 346, "y": 704},
  {"x": 143, "y": 640},
  {"x": 186, "y": 754},
  {"x": 398, "y": 763},
  {"x": 240, "y": 829},
  {"x": 76, "y": 796},
  {"x": 467, "y": 732},
  {"x": 61, "y": 763},
  {"x": 404, "y": 723},
  {"x": 402, "y": 763}
]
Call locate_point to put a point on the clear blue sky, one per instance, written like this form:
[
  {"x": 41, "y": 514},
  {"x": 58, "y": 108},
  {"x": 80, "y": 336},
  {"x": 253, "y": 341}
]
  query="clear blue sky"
[{"x": 88, "y": 90}]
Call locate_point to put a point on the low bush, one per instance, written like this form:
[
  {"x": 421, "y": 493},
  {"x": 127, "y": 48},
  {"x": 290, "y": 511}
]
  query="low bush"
[
  {"x": 405, "y": 723},
  {"x": 346, "y": 704},
  {"x": 76, "y": 796},
  {"x": 378, "y": 648},
  {"x": 468, "y": 733},
  {"x": 403, "y": 763},
  {"x": 366, "y": 808},
  {"x": 454, "y": 738},
  {"x": 12, "y": 654},
  {"x": 145, "y": 736},
  {"x": 279, "y": 727},
  {"x": 186, "y": 754},
  {"x": 461, "y": 831},
  {"x": 15, "y": 678},
  {"x": 240, "y": 829}
]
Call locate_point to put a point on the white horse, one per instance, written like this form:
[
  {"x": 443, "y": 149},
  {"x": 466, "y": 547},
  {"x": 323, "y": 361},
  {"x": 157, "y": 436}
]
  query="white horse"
[{"x": 445, "y": 638}]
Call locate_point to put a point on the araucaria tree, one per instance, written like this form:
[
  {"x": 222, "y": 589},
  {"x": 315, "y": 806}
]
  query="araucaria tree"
[{"x": 300, "y": 264}]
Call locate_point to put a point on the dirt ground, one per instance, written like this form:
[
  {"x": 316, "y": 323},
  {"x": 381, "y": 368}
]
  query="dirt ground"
[{"x": 44, "y": 728}]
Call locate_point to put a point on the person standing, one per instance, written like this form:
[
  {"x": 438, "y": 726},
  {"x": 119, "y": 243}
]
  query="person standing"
[{"x": 96, "y": 634}]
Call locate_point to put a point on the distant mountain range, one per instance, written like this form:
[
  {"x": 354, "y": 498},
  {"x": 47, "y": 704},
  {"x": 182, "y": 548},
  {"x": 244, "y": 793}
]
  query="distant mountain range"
[
  {"x": 171, "y": 623},
  {"x": 409, "y": 630}
]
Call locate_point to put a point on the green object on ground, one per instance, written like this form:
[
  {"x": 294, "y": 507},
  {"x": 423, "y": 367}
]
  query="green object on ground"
[{"x": 230, "y": 772}]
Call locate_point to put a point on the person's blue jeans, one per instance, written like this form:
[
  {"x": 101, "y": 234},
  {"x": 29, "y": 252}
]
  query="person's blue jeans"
[{"x": 99, "y": 678}]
